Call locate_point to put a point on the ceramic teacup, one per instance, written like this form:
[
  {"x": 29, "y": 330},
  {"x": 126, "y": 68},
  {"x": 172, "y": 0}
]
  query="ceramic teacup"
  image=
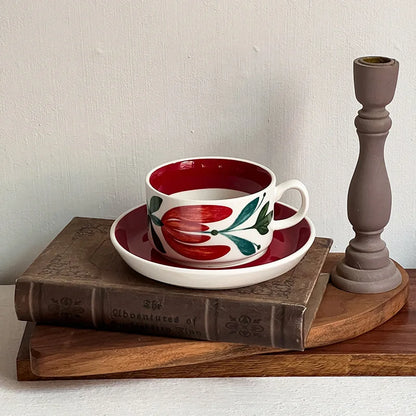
[{"x": 215, "y": 212}]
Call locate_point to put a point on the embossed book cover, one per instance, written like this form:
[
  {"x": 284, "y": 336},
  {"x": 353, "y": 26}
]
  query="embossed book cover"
[{"x": 80, "y": 280}]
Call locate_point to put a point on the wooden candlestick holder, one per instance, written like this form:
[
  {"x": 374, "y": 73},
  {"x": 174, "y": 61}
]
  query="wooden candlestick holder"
[{"x": 366, "y": 267}]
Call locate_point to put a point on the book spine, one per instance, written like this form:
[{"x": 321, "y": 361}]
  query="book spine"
[{"x": 172, "y": 315}]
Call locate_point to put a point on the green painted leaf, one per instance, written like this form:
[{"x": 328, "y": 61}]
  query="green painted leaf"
[
  {"x": 245, "y": 214},
  {"x": 263, "y": 229},
  {"x": 156, "y": 240},
  {"x": 246, "y": 247},
  {"x": 266, "y": 220},
  {"x": 154, "y": 204},
  {"x": 263, "y": 212},
  {"x": 155, "y": 220},
  {"x": 263, "y": 220}
]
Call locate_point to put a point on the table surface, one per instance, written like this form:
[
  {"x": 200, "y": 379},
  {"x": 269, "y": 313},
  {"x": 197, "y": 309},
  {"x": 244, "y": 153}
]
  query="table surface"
[{"x": 214, "y": 396}]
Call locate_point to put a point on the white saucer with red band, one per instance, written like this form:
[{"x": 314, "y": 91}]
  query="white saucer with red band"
[{"x": 129, "y": 235}]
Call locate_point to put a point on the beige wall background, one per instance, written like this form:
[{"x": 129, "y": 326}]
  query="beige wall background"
[{"x": 96, "y": 93}]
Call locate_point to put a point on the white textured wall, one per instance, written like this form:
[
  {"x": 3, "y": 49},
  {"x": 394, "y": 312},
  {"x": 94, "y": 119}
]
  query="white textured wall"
[{"x": 95, "y": 93}]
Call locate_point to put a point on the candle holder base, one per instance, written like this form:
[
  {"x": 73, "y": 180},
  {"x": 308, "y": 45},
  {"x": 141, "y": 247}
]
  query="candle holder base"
[{"x": 354, "y": 280}]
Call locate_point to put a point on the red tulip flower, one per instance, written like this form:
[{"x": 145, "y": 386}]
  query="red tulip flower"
[{"x": 184, "y": 228}]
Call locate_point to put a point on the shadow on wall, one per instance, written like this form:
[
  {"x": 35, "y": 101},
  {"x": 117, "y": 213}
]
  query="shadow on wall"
[{"x": 288, "y": 148}]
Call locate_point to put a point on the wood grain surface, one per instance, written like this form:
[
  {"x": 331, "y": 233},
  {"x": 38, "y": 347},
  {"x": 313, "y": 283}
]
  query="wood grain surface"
[{"x": 59, "y": 352}]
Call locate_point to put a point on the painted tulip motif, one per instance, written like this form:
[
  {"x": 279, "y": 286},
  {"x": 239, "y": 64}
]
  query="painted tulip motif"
[{"x": 185, "y": 228}]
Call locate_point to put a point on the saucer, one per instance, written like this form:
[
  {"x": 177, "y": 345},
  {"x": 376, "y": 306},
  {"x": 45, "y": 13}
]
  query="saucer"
[{"x": 129, "y": 236}]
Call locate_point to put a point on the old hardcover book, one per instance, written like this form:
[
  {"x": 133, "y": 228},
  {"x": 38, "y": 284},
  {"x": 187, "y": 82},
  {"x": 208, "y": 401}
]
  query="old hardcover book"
[{"x": 80, "y": 280}]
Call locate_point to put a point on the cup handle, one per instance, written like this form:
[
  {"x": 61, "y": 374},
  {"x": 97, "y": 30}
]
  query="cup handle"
[{"x": 300, "y": 214}]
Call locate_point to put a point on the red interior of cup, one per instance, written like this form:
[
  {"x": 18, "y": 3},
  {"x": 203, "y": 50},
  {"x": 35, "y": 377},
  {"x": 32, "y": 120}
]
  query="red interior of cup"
[{"x": 192, "y": 174}]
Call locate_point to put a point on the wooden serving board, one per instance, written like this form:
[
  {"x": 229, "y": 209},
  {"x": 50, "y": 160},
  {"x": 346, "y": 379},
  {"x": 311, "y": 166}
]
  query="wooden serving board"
[{"x": 58, "y": 352}]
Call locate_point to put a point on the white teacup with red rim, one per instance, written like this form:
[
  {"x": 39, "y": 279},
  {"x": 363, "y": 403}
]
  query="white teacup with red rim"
[{"x": 216, "y": 212}]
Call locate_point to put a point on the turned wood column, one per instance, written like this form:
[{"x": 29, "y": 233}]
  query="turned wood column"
[{"x": 366, "y": 267}]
